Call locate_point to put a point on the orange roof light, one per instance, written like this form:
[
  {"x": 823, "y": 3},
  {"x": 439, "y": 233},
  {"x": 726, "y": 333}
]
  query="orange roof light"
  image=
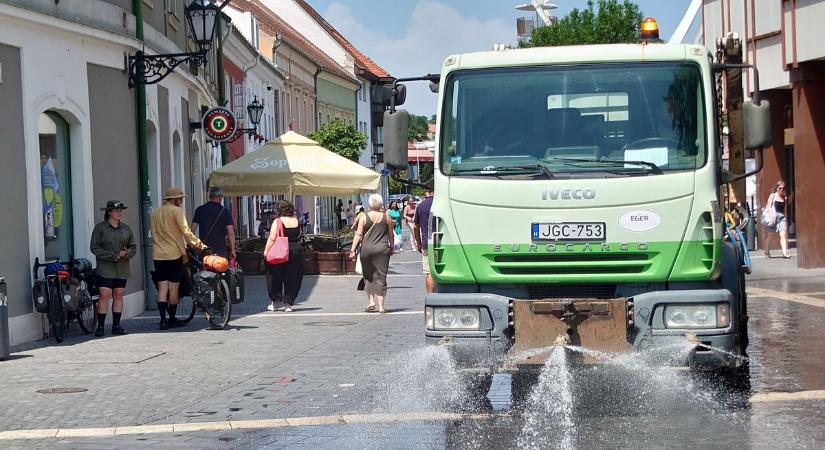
[{"x": 649, "y": 30}]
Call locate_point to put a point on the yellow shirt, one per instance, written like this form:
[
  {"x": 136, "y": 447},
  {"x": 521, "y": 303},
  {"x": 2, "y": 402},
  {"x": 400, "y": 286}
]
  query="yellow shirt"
[{"x": 169, "y": 229}]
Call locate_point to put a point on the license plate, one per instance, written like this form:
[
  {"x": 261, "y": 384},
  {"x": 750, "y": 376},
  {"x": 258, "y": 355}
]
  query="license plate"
[{"x": 569, "y": 231}]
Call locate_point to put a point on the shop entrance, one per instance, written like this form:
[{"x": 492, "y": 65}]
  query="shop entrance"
[{"x": 56, "y": 185}]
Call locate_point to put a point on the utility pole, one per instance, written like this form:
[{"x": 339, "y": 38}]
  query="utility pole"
[{"x": 730, "y": 48}]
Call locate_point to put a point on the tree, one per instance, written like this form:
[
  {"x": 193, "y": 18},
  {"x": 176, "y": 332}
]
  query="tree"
[
  {"x": 418, "y": 128},
  {"x": 342, "y": 138},
  {"x": 613, "y": 23}
]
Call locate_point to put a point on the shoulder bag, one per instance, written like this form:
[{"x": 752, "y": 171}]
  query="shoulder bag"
[{"x": 279, "y": 251}]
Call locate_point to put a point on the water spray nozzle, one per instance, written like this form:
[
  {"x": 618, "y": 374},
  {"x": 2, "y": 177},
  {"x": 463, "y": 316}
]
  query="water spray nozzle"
[{"x": 562, "y": 339}]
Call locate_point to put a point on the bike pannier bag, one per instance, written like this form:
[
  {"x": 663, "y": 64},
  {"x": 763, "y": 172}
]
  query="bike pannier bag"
[
  {"x": 39, "y": 298},
  {"x": 70, "y": 294},
  {"x": 205, "y": 289},
  {"x": 236, "y": 287}
]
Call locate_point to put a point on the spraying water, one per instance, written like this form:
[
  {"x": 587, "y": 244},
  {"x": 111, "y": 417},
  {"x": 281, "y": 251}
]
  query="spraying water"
[{"x": 548, "y": 417}]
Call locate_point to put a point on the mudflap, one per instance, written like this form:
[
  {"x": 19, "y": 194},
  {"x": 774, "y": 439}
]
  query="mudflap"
[{"x": 596, "y": 324}]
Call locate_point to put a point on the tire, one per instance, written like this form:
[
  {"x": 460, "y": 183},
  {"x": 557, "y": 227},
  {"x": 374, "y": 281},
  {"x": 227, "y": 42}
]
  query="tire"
[
  {"x": 56, "y": 317},
  {"x": 186, "y": 305},
  {"x": 86, "y": 312},
  {"x": 218, "y": 319},
  {"x": 186, "y": 310}
]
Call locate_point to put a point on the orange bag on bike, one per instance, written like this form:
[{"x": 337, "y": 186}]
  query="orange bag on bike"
[{"x": 216, "y": 263}]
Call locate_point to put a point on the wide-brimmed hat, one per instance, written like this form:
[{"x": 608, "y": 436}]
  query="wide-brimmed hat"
[
  {"x": 114, "y": 204},
  {"x": 173, "y": 192}
]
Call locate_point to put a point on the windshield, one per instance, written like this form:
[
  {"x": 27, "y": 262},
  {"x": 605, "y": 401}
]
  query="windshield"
[{"x": 584, "y": 121}]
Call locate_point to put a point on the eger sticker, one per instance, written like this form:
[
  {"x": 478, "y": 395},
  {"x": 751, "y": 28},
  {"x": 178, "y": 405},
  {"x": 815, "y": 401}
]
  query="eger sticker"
[{"x": 640, "y": 221}]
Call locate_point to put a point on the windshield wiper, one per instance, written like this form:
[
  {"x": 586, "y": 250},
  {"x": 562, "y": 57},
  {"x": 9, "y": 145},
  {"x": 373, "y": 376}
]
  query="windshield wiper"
[
  {"x": 496, "y": 171},
  {"x": 653, "y": 167}
]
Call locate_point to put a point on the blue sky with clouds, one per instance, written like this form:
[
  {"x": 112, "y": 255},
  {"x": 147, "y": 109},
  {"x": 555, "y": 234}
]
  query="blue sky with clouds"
[{"x": 412, "y": 37}]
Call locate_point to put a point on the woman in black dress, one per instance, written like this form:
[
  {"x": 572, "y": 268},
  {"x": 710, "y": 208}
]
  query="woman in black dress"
[{"x": 285, "y": 278}]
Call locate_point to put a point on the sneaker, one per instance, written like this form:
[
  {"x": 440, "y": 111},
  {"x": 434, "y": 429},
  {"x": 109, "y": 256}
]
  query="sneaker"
[
  {"x": 164, "y": 324},
  {"x": 288, "y": 309},
  {"x": 99, "y": 331},
  {"x": 271, "y": 307},
  {"x": 118, "y": 330}
]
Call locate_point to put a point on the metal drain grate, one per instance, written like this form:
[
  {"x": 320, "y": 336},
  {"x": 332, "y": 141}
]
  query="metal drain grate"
[{"x": 62, "y": 390}]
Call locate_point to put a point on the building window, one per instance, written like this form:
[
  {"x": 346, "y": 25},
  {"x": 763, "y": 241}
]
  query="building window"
[{"x": 56, "y": 186}]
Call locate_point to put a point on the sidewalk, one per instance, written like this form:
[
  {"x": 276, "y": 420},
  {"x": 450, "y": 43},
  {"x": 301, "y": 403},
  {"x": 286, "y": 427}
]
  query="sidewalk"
[{"x": 263, "y": 365}]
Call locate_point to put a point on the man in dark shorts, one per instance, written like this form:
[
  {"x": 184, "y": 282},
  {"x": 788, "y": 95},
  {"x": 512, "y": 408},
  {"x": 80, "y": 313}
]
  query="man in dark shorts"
[
  {"x": 421, "y": 230},
  {"x": 170, "y": 231},
  {"x": 215, "y": 224}
]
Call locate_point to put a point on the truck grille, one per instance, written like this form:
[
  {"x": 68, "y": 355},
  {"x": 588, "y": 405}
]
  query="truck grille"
[
  {"x": 573, "y": 264},
  {"x": 540, "y": 291}
]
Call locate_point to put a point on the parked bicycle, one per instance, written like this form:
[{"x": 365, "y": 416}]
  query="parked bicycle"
[
  {"x": 211, "y": 292},
  {"x": 64, "y": 295}
]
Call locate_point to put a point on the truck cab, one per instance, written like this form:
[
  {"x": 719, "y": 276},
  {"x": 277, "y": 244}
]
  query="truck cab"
[{"x": 577, "y": 195}]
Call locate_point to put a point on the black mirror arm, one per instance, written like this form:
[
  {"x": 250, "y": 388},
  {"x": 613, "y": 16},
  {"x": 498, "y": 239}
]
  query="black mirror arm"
[
  {"x": 431, "y": 77},
  {"x": 756, "y": 98},
  {"x": 727, "y": 177}
]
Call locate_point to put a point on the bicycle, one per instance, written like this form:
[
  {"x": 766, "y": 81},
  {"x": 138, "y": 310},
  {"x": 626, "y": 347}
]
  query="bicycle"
[
  {"x": 215, "y": 301},
  {"x": 88, "y": 297},
  {"x": 59, "y": 277}
]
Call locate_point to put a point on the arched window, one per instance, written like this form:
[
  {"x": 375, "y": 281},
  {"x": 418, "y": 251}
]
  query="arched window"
[{"x": 56, "y": 185}]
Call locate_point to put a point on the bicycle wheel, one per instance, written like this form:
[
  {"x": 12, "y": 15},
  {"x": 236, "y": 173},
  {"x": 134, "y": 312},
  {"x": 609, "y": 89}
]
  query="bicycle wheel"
[
  {"x": 56, "y": 316},
  {"x": 86, "y": 312},
  {"x": 219, "y": 318}
]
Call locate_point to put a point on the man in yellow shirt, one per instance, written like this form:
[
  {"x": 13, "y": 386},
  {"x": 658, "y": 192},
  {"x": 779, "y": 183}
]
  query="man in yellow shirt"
[{"x": 170, "y": 231}]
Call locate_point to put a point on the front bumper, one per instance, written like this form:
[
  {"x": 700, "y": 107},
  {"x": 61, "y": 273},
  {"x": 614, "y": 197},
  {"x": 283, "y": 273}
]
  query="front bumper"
[{"x": 487, "y": 348}]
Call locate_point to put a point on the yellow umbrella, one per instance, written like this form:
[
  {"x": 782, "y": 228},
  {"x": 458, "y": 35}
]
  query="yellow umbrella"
[{"x": 293, "y": 164}]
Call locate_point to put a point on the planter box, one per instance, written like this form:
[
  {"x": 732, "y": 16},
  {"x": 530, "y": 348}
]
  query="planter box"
[
  {"x": 349, "y": 264},
  {"x": 310, "y": 263},
  {"x": 330, "y": 263}
]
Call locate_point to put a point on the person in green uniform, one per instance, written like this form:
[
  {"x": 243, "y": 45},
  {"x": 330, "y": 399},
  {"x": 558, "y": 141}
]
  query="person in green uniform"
[{"x": 113, "y": 245}]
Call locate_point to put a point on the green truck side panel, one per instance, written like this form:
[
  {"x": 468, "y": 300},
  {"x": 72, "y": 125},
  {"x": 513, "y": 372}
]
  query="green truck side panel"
[{"x": 578, "y": 263}]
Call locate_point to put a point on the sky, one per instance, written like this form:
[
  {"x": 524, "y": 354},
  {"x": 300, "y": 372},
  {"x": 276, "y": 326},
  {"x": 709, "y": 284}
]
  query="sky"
[{"x": 412, "y": 37}]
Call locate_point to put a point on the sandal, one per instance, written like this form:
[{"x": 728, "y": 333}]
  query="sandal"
[
  {"x": 370, "y": 309},
  {"x": 383, "y": 311}
]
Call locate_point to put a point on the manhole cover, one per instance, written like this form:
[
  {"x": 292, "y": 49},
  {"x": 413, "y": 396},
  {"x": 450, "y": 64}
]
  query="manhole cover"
[
  {"x": 62, "y": 390},
  {"x": 329, "y": 323}
]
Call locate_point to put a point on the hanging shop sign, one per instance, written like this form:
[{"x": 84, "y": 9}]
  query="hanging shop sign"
[{"x": 219, "y": 124}]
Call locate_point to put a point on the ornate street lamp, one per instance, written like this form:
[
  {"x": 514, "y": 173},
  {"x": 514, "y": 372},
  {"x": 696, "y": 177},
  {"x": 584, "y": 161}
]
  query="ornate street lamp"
[
  {"x": 254, "y": 110},
  {"x": 374, "y": 159},
  {"x": 202, "y": 17}
]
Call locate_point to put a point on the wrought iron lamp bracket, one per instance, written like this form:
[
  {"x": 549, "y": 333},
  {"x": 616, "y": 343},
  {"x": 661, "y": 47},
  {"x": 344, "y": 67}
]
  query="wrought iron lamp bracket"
[{"x": 151, "y": 69}]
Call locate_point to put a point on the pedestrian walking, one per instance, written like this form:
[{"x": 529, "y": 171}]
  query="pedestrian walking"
[
  {"x": 777, "y": 209},
  {"x": 359, "y": 211},
  {"x": 218, "y": 228},
  {"x": 340, "y": 215},
  {"x": 395, "y": 215},
  {"x": 350, "y": 213},
  {"x": 421, "y": 234},
  {"x": 285, "y": 278},
  {"x": 113, "y": 245},
  {"x": 409, "y": 220},
  {"x": 375, "y": 238},
  {"x": 170, "y": 231}
]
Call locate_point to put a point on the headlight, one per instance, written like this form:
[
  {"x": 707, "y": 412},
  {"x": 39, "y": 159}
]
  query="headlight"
[
  {"x": 697, "y": 316},
  {"x": 454, "y": 318}
]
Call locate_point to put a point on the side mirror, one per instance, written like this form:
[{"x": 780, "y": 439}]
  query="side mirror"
[
  {"x": 396, "y": 125},
  {"x": 388, "y": 96},
  {"x": 756, "y": 121}
]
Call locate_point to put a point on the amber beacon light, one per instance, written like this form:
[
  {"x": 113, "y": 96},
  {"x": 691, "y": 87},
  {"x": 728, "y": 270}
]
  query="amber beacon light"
[{"x": 650, "y": 29}]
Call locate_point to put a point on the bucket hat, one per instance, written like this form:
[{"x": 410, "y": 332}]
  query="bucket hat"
[
  {"x": 173, "y": 192},
  {"x": 114, "y": 204}
]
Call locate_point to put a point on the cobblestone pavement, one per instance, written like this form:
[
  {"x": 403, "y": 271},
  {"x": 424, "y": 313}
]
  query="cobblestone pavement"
[{"x": 306, "y": 379}]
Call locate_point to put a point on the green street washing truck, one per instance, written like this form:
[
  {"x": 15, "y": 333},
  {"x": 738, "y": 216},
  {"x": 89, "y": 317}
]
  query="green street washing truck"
[{"x": 577, "y": 193}]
